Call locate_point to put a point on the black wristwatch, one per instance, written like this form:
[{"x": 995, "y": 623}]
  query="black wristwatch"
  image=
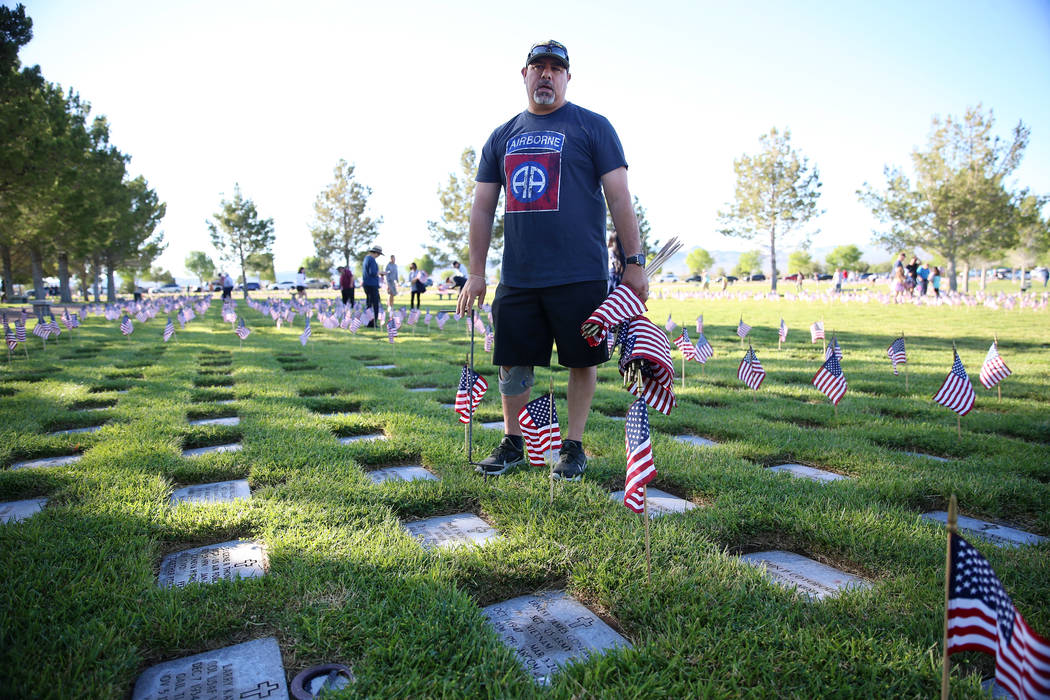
[{"x": 638, "y": 260}]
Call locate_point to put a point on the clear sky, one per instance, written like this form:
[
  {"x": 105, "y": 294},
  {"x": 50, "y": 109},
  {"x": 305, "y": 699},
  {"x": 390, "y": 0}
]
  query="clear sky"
[{"x": 273, "y": 94}]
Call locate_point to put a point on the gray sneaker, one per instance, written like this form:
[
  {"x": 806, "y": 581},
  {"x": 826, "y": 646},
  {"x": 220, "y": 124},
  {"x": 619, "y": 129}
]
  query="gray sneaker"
[
  {"x": 507, "y": 454},
  {"x": 571, "y": 463}
]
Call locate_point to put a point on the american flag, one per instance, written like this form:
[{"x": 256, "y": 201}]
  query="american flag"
[
  {"x": 479, "y": 325},
  {"x": 750, "y": 371},
  {"x": 169, "y": 329},
  {"x": 125, "y": 326},
  {"x": 355, "y": 324},
  {"x": 640, "y": 466},
  {"x": 9, "y": 335},
  {"x": 67, "y": 320},
  {"x": 42, "y": 329},
  {"x": 442, "y": 318},
  {"x": 76, "y": 320},
  {"x": 391, "y": 329},
  {"x": 897, "y": 354},
  {"x": 242, "y": 329},
  {"x": 489, "y": 340},
  {"x": 830, "y": 380},
  {"x": 689, "y": 350},
  {"x": 783, "y": 333},
  {"x": 833, "y": 349},
  {"x": 670, "y": 325},
  {"x": 472, "y": 387},
  {"x": 426, "y": 318},
  {"x": 956, "y": 392},
  {"x": 20, "y": 330},
  {"x": 539, "y": 425},
  {"x": 703, "y": 349},
  {"x": 982, "y": 617},
  {"x": 700, "y": 324},
  {"x": 53, "y": 326},
  {"x": 816, "y": 331},
  {"x": 621, "y": 305},
  {"x": 994, "y": 370},
  {"x": 648, "y": 343},
  {"x": 307, "y": 332},
  {"x": 743, "y": 329}
]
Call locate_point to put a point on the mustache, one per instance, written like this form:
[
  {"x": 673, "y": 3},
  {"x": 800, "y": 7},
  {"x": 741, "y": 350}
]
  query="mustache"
[{"x": 545, "y": 84}]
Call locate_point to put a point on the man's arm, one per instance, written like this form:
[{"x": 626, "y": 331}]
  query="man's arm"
[
  {"x": 482, "y": 213},
  {"x": 614, "y": 183}
]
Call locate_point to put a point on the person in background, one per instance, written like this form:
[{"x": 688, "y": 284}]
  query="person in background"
[
  {"x": 370, "y": 282},
  {"x": 912, "y": 270},
  {"x": 924, "y": 279},
  {"x": 900, "y": 283},
  {"x": 459, "y": 278},
  {"x": 346, "y": 285},
  {"x": 391, "y": 281},
  {"x": 418, "y": 281},
  {"x": 935, "y": 275},
  {"x": 227, "y": 285},
  {"x": 300, "y": 282}
]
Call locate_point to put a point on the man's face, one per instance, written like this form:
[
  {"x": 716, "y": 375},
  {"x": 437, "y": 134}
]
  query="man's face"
[{"x": 545, "y": 83}]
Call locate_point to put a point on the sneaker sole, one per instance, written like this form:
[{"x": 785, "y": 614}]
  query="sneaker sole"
[
  {"x": 558, "y": 477},
  {"x": 484, "y": 471}
]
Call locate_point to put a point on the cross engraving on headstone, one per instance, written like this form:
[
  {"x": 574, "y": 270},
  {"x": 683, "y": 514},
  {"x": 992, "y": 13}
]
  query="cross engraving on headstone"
[{"x": 227, "y": 561}]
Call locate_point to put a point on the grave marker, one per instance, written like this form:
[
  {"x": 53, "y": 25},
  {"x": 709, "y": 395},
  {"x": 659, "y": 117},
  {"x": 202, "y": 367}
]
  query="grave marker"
[
  {"x": 230, "y": 420},
  {"x": 407, "y": 473},
  {"x": 380, "y": 366},
  {"x": 549, "y": 630},
  {"x": 812, "y": 473},
  {"x": 17, "y": 511},
  {"x": 451, "y": 531},
  {"x": 362, "y": 438},
  {"x": 249, "y": 671},
  {"x": 74, "y": 431},
  {"x": 226, "y": 561},
  {"x": 493, "y": 425},
  {"x": 423, "y": 389},
  {"x": 217, "y": 492},
  {"x": 660, "y": 502},
  {"x": 816, "y": 580},
  {"x": 695, "y": 440},
  {"x": 999, "y": 535},
  {"x": 926, "y": 456},
  {"x": 47, "y": 462},
  {"x": 197, "y": 451}
]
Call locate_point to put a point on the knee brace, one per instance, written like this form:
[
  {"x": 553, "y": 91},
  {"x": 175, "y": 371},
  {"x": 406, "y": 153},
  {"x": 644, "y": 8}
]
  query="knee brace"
[{"x": 515, "y": 381}]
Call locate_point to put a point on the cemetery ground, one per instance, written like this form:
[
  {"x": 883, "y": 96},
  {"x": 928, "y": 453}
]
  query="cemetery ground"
[{"x": 82, "y": 614}]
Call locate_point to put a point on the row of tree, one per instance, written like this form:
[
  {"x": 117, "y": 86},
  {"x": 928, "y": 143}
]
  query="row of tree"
[
  {"x": 961, "y": 205},
  {"x": 68, "y": 205}
]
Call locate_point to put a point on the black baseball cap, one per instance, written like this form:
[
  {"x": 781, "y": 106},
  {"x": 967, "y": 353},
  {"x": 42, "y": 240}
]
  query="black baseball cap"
[{"x": 549, "y": 49}]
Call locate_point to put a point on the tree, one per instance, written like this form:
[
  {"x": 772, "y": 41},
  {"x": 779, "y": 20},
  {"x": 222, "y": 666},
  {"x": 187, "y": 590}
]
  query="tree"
[
  {"x": 748, "y": 263},
  {"x": 316, "y": 266},
  {"x": 237, "y": 231},
  {"x": 776, "y": 195},
  {"x": 845, "y": 257},
  {"x": 649, "y": 247},
  {"x": 698, "y": 260},
  {"x": 451, "y": 235},
  {"x": 198, "y": 263},
  {"x": 159, "y": 274},
  {"x": 425, "y": 262},
  {"x": 1033, "y": 234},
  {"x": 341, "y": 230},
  {"x": 960, "y": 205},
  {"x": 801, "y": 261},
  {"x": 261, "y": 265}
]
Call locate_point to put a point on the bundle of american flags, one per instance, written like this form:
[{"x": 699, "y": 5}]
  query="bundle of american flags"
[
  {"x": 621, "y": 305},
  {"x": 645, "y": 363},
  {"x": 539, "y": 426},
  {"x": 472, "y": 387},
  {"x": 956, "y": 393},
  {"x": 994, "y": 370}
]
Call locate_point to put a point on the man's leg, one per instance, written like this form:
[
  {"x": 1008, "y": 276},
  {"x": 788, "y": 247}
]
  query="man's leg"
[
  {"x": 582, "y": 382},
  {"x": 512, "y": 406}
]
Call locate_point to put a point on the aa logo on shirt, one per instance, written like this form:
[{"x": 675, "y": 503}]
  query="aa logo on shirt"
[{"x": 532, "y": 167}]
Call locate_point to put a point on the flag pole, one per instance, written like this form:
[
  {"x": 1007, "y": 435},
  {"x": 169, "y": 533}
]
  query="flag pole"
[
  {"x": 550, "y": 477},
  {"x": 645, "y": 517},
  {"x": 905, "y": 363},
  {"x": 824, "y": 339},
  {"x": 953, "y": 529},
  {"x": 998, "y": 385}
]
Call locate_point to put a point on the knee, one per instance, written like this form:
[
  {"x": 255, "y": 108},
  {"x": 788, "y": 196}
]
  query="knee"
[{"x": 514, "y": 381}]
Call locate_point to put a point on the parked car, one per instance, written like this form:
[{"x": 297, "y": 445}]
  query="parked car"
[
  {"x": 283, "y": 285},
  {"x": 166, "y": 289},
  {"x": 756, "y": 278},
  {"x": 313, "y": 283},
  {"x": 793, "y": 277},
  {"x": 824, "y": 276},
  {"x": 695, "y": 278},
  {"x": 669, "y": 277},
  {"x": 250, "y": 286},
  {"x": 729, "y": 278}
]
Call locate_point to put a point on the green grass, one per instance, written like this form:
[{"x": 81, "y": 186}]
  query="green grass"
[{"x": 81, "y": 615}]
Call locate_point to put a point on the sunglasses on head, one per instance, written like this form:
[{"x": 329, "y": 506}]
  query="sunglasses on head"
[{"x": 552, "y": 49}]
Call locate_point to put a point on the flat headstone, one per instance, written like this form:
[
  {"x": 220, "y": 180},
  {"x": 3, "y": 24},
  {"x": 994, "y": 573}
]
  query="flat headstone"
[
  {"x": 17, "y": 511},
  {"x": 1000, "y": 535},
  {"x": 549, "y": 630},
  {"x": 618, "y": 419},
  {"x": 232, "y": 447},
  {"x": 419, "y": 389},
  {"x": 217, "y": 492},
  {"x": 96, "y": 408},
  {"x": 74, "y": 431},
  {"x": 695, "y": 440},
  {"x": 361, "y": 438},
  {"x": 380, "y": 366},
  {"x": 804, "y": 472},
  {"x": 816, "y": 580},
  {"x": 249, "y": 671},
  {"x": 992, "y": 688},
  {"x": 230, "y": 420},
  {"x": 336, "y": 414},
  {"x": 226, "y": 561},
  {"x": 926, "y": 456},
  {"x": 448, "y": 405},
  {"x": 451, "y": 531},
  {"x": 660, "y": 502},
  {"x": 47, "y": 462},
  {"x": 408, "y": 473},
  {"x": 225, "y": 402},
  {"x": 492, "y": 425}
]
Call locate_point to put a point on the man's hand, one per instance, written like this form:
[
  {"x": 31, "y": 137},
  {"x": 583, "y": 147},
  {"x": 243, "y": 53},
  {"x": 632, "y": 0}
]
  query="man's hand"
[
  {"x": 634, "y": 277},
  {"x": 474, "y": 289}
]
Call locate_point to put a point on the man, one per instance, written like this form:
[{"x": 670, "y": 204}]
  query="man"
[
  {"x": 554, "y": 160},
  {"x": 391, "y": 281},
  {"x": 458, "y": 278},
  {"x": 346, "y": 285},
  {"x": 227, "y": 285},
  {"x": 370, "y": 283}
]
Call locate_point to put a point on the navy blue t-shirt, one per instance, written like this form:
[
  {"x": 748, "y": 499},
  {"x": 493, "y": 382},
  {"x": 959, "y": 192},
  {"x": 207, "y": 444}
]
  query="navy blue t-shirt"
[{"x": 551, "y": 167}]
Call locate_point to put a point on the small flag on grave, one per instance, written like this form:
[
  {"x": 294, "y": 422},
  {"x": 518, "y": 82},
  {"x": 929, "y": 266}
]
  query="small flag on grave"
[
  {"x": 472, "y": 387},
  {"x": 686, "y": 346},
  {"x": 956, "y": 393},
  {"x": 833, "y": 349},
  {"x": 750, "y": 371},
  {"x": 307, "y": 332},
  {"x": 539, "y": 425},
  {"x": 700, "y": 324},
  {"x": 703, "y": 349},
  {"x": 816, "y": 331},
  {"x": 242, "y": 329},
  {"x": 125, "y": 326},
  {"x": 670, "y": 325},
  {"x": 742, "y": 329},
  {"x": 640, "y": 466},
  {"x": 783, "y": 333},
  {"x": 391, "y": 329},
  {"x": 994, "y": 370},
  {"x": 830, "y": 379},
  {"x": 897, "y": 354},
  {"x": 169, "y": 330}
]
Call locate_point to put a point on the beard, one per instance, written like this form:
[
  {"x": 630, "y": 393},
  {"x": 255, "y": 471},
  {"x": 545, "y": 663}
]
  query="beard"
[{"x": 544, "y": 97}]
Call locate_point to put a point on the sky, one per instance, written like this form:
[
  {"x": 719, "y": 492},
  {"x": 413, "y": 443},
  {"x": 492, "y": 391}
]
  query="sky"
[{"x": 203, "y": 95}]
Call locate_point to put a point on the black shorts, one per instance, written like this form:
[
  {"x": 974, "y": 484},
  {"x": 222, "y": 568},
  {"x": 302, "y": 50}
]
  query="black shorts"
[
  {"x": 527, "y": 321},
  {"x": 300, "y": 289}
]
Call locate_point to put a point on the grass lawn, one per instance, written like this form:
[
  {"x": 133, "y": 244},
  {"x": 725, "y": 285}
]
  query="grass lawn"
[{"x": 81, "y": 614}]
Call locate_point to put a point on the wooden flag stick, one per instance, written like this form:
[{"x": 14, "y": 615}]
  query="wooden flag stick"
[
  {"x": 953, "y": 516},
  {"x": 998, "y": 387},
  {"x": 824, "y": 340},
  {"x": 683, "y": 370},
  {"x": 905, "y": 363},
  {"x": 645, "y": 517},
  {"x": 958, "y": 425},
  {"x": 550, "y": 477}
]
